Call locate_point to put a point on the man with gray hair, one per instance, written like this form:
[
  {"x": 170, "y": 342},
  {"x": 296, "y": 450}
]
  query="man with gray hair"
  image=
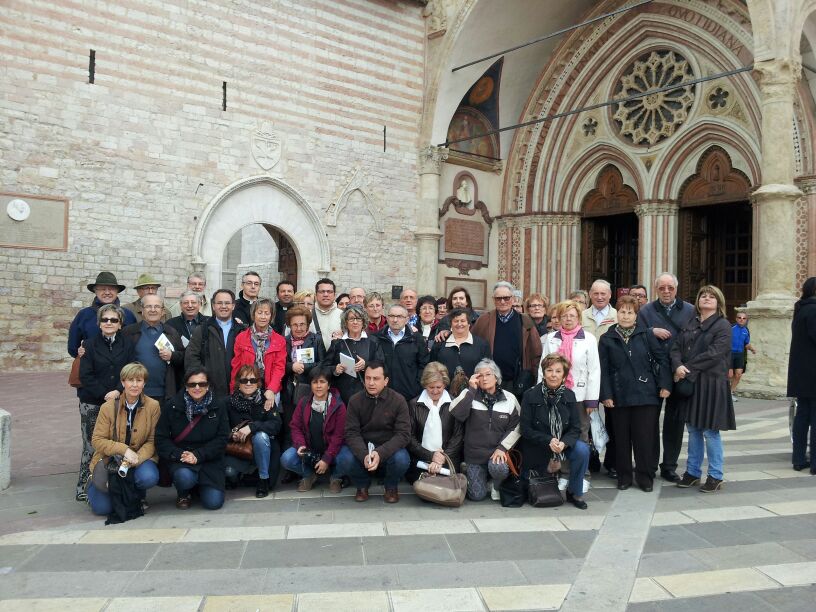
[
  {"x": 600, "y": 315},
  {"x": 190, "y": 317},
  {"x": 198, "y": 283},
  {"x": 513, "y": 339},
  {"x": 665, "y": 317},
  {"x": 405, "y": 352}
]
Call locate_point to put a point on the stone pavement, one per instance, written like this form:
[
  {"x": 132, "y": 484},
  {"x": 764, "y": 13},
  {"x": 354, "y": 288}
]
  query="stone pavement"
[{"x": 750, "y": 547}]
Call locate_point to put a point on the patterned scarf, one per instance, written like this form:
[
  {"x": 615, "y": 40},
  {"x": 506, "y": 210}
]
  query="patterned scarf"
[
  {"x": 243, "y": 404},
  {"x": 296, "y": 344},
  {"x": 504, "y": 318},
  {"x": 567, "y": 340},
  {"x": 319, "y": 406},
  {"x": 625, "y": 332},
  {"x": 553, "y": 396},
  {"x": 193, "y": 408},
  {"x": 259, "y": 340},
  {"x": 489, "y": 399}
]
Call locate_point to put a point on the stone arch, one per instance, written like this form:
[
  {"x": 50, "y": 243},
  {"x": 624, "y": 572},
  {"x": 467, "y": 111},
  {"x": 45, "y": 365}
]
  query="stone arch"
[
  {"x": 610, "y": 195},
  {"x": 716, "y": 180},
  {"x": 570, "y": 196},
  {"x": 267, "y": 200}
]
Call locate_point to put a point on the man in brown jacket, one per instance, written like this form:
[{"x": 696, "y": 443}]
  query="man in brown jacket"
[
  {"x": 514, "y": 340},
  {"x": 378, "y": 430}
]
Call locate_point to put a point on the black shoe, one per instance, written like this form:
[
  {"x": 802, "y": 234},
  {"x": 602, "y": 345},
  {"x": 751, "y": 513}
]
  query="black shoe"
[
  {"x": 646, "y": 488},
  {"x": 800, "y": 466},
  {"x": 612, "y": 473},
  {"x": 262, "y": 490},
  {"x": 688, "y": 481},
  {"x": 289, "y": 477},
  {"x": 670, "y": 475},
  {"x": 578, "y": 503},
  {"x": 622, "y": 486}
]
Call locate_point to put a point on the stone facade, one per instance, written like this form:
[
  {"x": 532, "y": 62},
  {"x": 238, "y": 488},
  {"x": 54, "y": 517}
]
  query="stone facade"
[{"x": 144, "y": 150}]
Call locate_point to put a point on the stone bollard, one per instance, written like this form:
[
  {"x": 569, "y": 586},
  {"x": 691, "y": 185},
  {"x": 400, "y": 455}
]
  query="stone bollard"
[{"x": 5, "y": 450}]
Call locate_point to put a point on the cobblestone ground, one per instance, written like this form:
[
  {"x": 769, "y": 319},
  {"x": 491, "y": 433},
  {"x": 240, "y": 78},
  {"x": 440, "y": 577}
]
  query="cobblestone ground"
[{"x": 750, "y": 547}]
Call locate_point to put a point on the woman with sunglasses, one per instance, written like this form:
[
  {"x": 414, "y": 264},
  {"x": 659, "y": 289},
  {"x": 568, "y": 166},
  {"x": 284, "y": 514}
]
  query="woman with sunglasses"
[
  {"x": 105, "y": 355},
  {"x": 249, "y": 419},
  {"x": 191, "y": 436}
]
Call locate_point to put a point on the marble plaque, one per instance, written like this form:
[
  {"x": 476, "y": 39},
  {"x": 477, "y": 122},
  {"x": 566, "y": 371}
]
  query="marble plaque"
[
  {"x": 464, "y": 237},
  {"x": 465, "y": 223},
  {"x": 33, "y": 222}
]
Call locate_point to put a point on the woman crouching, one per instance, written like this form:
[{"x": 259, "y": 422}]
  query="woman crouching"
[
  {"x": 191, "y": 435},
  {"x": 124, "y": 429}
]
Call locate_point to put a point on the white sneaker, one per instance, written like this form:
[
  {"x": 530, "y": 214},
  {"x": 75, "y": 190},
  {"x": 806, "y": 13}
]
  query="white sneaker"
[
  {"x": 734, "y": 398},
  {"x": 494, "y": 494}
]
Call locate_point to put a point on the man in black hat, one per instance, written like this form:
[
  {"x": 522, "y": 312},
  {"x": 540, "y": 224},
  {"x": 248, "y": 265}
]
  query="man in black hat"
[{"x": 84, "y": 326}]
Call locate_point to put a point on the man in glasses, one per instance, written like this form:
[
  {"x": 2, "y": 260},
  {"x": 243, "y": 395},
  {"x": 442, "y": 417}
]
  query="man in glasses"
[
  {"x": 406, "y": 353},
  {"x": 326, "y": 319},
  {"x": 163, "y": 362},
  {"x": 213, "y": 343},
  {"x": 145, "y": 285},
  {"x": 513, "y": 338},
  {"x": 250, "y": 288}
]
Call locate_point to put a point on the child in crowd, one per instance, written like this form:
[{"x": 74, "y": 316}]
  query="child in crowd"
[{"x": 740, "y": 343}]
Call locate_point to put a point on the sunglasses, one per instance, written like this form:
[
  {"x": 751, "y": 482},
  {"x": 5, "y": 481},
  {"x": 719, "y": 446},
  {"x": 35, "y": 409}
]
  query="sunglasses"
[
  {"x": 193, "y": 385},
  {"x": 502, "y": 298},
  {"x": 108, "y": 320},
  {"x": 248, "y": 381}
]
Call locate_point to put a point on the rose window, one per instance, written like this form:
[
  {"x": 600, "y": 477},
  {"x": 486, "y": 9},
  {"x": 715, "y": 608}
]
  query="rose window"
[{"x": 648, "y": 119}]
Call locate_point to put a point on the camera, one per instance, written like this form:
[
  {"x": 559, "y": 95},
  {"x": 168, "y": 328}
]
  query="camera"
[
  {"x": 123, "y": 468},
  {"x": 310, "y": 458}
]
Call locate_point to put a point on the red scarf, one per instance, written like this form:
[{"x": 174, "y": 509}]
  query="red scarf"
[{"x": 567, "y": 340}]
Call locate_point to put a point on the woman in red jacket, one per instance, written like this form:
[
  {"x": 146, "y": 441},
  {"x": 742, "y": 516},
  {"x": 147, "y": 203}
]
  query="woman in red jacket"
[{"x": 261, "y": 346}]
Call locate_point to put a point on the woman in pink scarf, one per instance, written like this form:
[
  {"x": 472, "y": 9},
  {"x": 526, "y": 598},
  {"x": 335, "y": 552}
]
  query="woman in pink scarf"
[{"x": 581, "y": 349}]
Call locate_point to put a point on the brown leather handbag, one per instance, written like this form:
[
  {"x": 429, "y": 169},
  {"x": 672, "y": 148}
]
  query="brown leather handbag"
[
  {"x": 73, "y": 377},
  {"x": 241, "y": 450},
  {"x": 442, "y": 490}
]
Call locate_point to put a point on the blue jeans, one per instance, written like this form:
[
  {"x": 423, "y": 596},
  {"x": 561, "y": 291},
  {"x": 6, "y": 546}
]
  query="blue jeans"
[
  {"x": 578, "y": 457},
  {"x": 805, "y": 418},
  {"x": 713, "y": 447},
  {"x": 184, "y": 479},
  {"x": 267, "y": 456},
  {"x": 394, "y": 469},
  {"x": 290, "y": 461},
  {"x": 145, "y": 475}
]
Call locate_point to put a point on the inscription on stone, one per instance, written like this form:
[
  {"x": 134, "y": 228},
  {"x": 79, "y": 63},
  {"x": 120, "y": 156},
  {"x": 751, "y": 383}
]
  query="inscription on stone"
[
  {"x": 464, "y": 237},
  {"x": 45, "y": 227}
]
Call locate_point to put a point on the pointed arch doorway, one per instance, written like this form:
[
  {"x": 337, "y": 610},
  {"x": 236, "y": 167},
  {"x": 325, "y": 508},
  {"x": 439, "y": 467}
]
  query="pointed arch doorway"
[{"x": 270, "y": 202}]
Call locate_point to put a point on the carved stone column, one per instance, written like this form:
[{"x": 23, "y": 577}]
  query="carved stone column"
[
  {"x": 657, "y": 240},
  {"x": 427, "y": 232},
  {"x": 774, "y": 205}
]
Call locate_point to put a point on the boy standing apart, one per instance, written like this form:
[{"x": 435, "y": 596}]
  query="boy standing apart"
[{"x": 740, "y": 343}]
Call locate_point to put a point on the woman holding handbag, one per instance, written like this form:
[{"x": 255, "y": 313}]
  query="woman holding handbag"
[
  {"x": 551, "y": 428},
  {"x": 434, "y": 432},
  {"x": 254, "y": 427},
  {"x": 700, "y": 359},
  {"x": 191, "y": 436}
]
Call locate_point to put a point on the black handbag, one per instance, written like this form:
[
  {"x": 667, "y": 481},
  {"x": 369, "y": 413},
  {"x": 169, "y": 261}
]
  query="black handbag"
[
  {"x": 542, "y": 490},
  {"x": 683, "y": 388},
  {"x": 512, "y": 490}
]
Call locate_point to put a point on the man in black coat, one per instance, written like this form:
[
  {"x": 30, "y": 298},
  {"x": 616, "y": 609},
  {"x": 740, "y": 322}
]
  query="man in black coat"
[
  {"x": 190, "y": 318},
  {"x": 801, "y": 382},
  {"x": 406, "y": 353},
  {"x": 213, "y": 343},
  {"x": 286, "y": 293},
  {"x": 666, "y": 316},
  {"x": 250, "y": 288}
]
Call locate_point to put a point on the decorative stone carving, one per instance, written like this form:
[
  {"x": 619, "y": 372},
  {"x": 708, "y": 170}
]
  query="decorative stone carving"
[
  {"x": 654, "y": 117},
  {"x": 437, "y": 18},
  {"x": 266, "y": 146},
  {"x": 663, "y": 209},
  {"x": 430, "y": 159},
  {"x": 357, "y": 182},
  {"x": 590, "y": 126},
  {"x": 716, "y": 180},
  {"x": 466, "y": 227},
  {"x": 610, "y": 196},
  {"x": 538, "y": 220}
]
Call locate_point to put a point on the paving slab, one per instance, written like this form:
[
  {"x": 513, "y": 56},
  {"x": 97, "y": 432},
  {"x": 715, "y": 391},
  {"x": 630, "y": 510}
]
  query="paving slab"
[
  {"x": 335, "y": 530},
  {"x": 369, "y": 601},
  {"x": 469, "y": 547},
  {"x": 715, "y": 582},
  {"x": 532, "y": 597},
  {"x": 62, "y": 604},
  {"x": 183, "y": 582},
  {"x": 646, "y": 589},
  {"x": 450, "y": 600},
  {"x": 154, "y": 604},
  {"x": 65, "y": 584},
  {"x": 101, "y": 557},
  {"x": 248, "y": 603},
  {"x": 327, "y": 579},
  {"x": 395, "y": 528},
  {"x": 452, "y": 574},
  {"x": 398, "y": 550},
  {"x": 303, "y": 553},
  {"x": 198, "y": 555},
  {"x": 550, "y": 571},
  {"x": 750, "y": 555},
  {"x": 791, "y": 574},
  {"x": 674, "y": 562}
]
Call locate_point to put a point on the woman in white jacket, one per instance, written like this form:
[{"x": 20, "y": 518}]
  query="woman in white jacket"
[{"x": 581, "y": 349}]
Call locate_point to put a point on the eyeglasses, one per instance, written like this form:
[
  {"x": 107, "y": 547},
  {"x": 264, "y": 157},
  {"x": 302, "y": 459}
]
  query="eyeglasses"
[
  {"x": 108, "y": 320},
  {"x": 396, "y": 316},
  {"x": 252, "y": 283},
  {"x": 535, "y": 306},
  {"x": 502, "y": 298},
  {"x": 248, "y": 381},
  {"x": 151, "y": 307},
  {"x": 193, "y": 385},
  {"x": 354, "y": 320}
]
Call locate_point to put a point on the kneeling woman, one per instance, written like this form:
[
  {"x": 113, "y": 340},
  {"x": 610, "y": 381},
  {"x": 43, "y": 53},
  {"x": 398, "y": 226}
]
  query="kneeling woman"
[
  {"x": 551, "y": 428},
  {"x": 191, "y": 435},
  {"x": 317, "y": 427},
  {"x": 125, "y": 426},
  {"x": 491, "y": 418},
  {"x": 250, "y": 418}
]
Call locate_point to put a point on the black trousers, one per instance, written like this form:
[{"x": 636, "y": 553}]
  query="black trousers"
[
  {"x": 673, "y": 429},
  {"x": 635, "y": 429},
  {"x": 610, "y": 457}
]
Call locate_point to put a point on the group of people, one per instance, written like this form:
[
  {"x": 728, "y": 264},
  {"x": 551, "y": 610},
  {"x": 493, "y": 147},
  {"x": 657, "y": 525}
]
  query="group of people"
[{"x": 319, "y": 385}]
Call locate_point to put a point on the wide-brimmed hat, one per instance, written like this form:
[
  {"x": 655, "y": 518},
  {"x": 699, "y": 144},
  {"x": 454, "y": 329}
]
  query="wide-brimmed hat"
[
  {"x": 106, "y": 278},
  {"x": 144, "y": 280}
]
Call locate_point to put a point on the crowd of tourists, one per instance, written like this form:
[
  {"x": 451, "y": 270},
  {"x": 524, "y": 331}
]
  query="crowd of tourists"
[{"x": 228, "y": 391}]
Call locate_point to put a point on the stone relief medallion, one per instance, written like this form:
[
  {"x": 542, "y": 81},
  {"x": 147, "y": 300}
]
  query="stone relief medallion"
[
  {"x": 267, "y": 146},
  {"x": 651, "y": 118}
]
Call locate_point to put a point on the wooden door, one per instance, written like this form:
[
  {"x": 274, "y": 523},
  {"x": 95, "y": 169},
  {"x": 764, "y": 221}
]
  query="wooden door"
[{"x": 610, "y": 250}]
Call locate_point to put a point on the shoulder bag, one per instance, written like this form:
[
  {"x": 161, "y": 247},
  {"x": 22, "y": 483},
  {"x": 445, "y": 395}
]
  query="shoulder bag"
[
  {"x": 542, "y": 490},
  {"x": 511, "y": 490},
  {"x": 442, "y": 490},
  {"x": 106, "y": 465},
  {"x": 241, "y": 450},
  {"x": 165, "y": 477}
]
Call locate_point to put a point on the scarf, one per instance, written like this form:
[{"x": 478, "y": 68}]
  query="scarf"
[
  {"x": 625, "y": 333},
  {"x": 319, "y": 406},
  {"x": 259, "y": 340},
  {"x": 296, "y": 344},
  {"x": 567, "y": 340},
  {"x": 489, "y": 399},
  {"x": 553, "y": 396},
  {"x": 432, "y": 432},
  {"x": 243, "y": 404},
  {"x": 505, "y": 318},
  {"x": 193, "y": 408}
]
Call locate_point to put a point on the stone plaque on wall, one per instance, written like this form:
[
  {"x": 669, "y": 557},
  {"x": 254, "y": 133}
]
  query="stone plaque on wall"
[
  {"x": 465, "y": 224},
  {"x": 33, "y": 222}
]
